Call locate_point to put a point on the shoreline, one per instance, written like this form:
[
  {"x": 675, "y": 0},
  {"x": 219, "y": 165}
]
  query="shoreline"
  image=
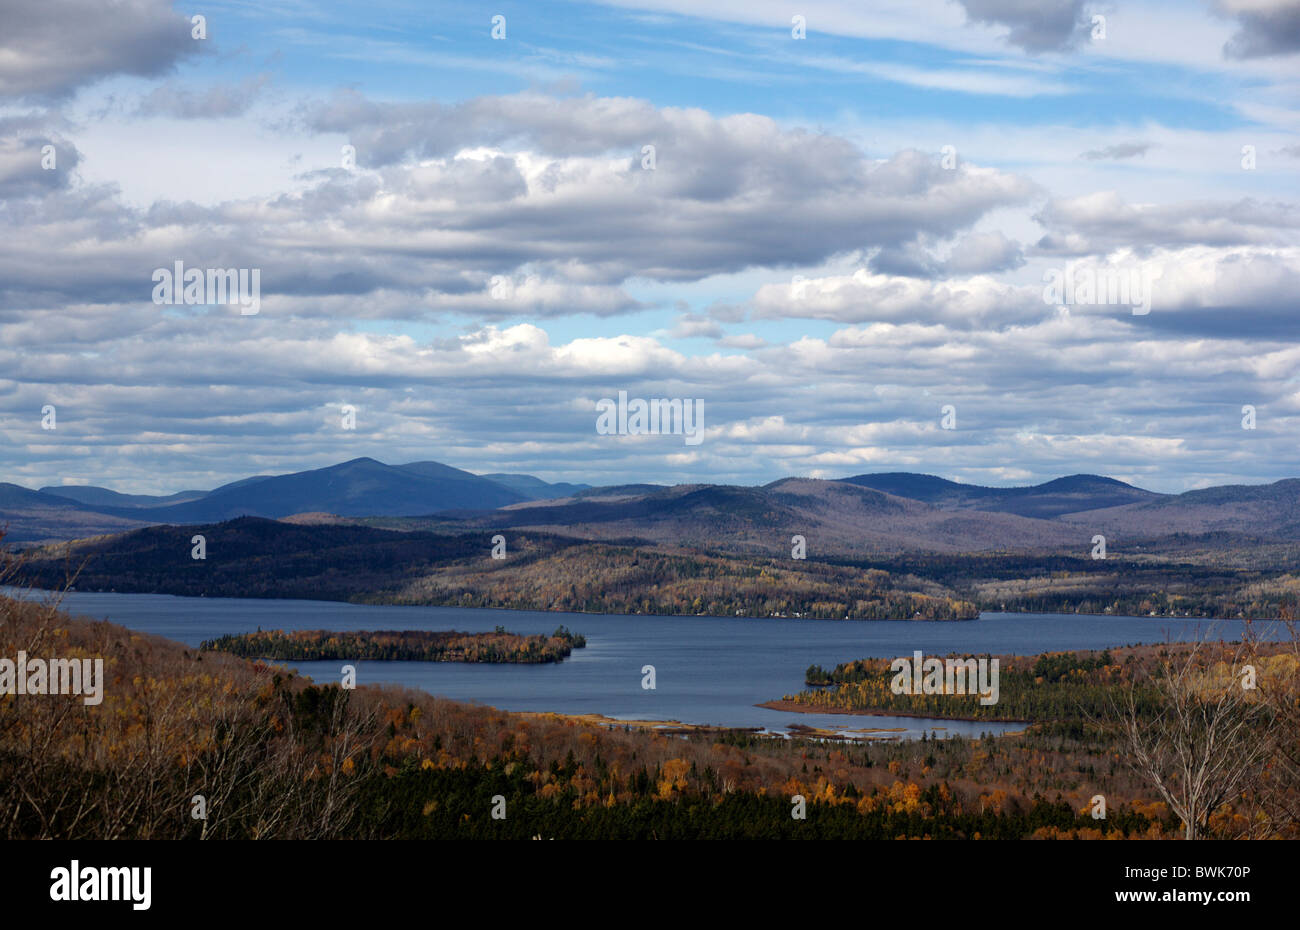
[
  {"x": 659, "y": 726},
  {"x": 353, "y": 600},
  {"x": 797, "y": 708}
]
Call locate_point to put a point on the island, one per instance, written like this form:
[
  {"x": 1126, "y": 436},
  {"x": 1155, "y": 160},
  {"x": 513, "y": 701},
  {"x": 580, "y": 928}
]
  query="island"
[{"x": 400, "y": 646}]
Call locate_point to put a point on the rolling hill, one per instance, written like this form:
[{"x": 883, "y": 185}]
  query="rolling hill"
[
  {"x": 535, "y": 488},
  {"x": 832, "y": 516},
  {"x": 28, "y": 517},
  {"x": 1071, "y": 494},
  {"x": 91, "y": 496},
  {"x": 1265, "y": 512}
]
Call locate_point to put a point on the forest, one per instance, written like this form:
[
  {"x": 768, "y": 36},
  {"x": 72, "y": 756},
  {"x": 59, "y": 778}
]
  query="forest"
[
  {"x": 268, "y": 754},
  {"x": 399, "y": 646},
  {"x": 253, "y": 557},
  {"x": 1047, "y": 687}
]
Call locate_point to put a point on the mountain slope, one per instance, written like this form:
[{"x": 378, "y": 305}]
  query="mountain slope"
[
  {"x": 92, "y": 496},
  {"x": 1266, "y": 511},
  {"x": 535, "y": 488},
  {"x": 832, "y": 517},
  {"x": 28, "y": 516},
  {"x": 1071, "y": 494}
]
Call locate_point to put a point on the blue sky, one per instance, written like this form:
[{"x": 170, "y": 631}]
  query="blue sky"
[{"x": 840, "y": 235}]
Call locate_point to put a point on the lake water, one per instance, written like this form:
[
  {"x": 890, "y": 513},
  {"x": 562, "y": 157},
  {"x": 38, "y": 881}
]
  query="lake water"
[{"x": 708, "y": 670}]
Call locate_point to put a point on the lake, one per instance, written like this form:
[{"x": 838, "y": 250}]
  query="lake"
[{"x": 709, "y": 670}]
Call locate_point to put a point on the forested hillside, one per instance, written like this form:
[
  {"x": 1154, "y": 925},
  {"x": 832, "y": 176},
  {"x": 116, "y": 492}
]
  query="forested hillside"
[{"x": 275, "y": 756}]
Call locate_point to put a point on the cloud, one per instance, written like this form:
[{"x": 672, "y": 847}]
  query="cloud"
[
  {"x": 983, "y": 253},
  {"x": 217, "y": 101},
  {"x": 959, "y": 80},
  {"x": 50, "y": 48},
  {"x": 204, "y": 400},
  {"x": 1103, "y": 221},
  {"x": 1265, "y": 28},
  {"x": 973, "y": 253},
  {"x": 1229, "y": 294},
  {"x": 695, "y": 325},
  {"x": 1034, "y": 25},
  {"x": 1115, "y": 152},
  {"x": 978, "y": 302},
  {"x": 494, "y": 232},
  {"x": 27, "y": 167}
]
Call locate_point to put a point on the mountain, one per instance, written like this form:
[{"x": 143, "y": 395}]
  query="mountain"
[
  {"x": 253, "y": 557},
  {"x": 93, "y": 496},
  {"x": 28, "y": 516},
  {"x": 888, "y": 512},
  {"x": 614, "y": 491},
  {"x": 535, "y": 488},
  {"x": 1072, "y": 494},
  {"x": 249, "y": 555},
  {"x": 242, "y": 482},
  {"x": 832, "y": 516},
  {"x": 18, "y": 497},
  {"x": 358, "y": 488},
  {"x": 1253, "y": 511}
]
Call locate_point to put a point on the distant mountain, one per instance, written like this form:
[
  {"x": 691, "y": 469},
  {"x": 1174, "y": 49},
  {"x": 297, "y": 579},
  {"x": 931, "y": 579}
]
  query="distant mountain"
[
  {"x": 18, "y": 497},
  {"x": 832, "y": 516},
  {"x": 1072, "y": 494},
  {"x": 1258, "y": 511},
  {"x": 28, "y": 516},
  {"x": 611, "y": 491},
  {"x": 920, "y": 513},
  {"x": 242, "y": 482},
  {"x": 888, "y": 512},
  {"x": 93, "y": 496},
  {"x": 358, "y": 488},
  {"x": 535, "y": 488}
]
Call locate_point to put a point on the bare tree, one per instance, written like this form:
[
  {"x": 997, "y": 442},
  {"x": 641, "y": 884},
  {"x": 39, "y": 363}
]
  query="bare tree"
[{"x": 1195, "y": 733}]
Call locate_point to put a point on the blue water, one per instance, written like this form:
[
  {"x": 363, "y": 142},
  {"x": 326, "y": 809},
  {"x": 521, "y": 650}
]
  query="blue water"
[{"x": 708, "y": 670}]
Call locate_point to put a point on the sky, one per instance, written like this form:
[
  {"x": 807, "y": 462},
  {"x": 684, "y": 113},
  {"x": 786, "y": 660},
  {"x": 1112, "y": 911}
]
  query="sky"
[{"x": 992, "y": 240}]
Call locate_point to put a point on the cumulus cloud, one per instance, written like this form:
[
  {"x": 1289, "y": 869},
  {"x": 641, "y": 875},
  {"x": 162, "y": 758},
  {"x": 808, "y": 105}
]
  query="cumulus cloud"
[
  {"x": 35, "y": 158},
  {"x": 50, "y": 48},
  {"x": 498, "y": 216},
  {"x": 1264, "y": 27},
  {"x": 498, "y": 232},
  {"x": 973, "y": 253},
  {"x": 1102, "y": 221},
  {"x": 867, "y": 297},
  {"x": 265, "y": 397}
]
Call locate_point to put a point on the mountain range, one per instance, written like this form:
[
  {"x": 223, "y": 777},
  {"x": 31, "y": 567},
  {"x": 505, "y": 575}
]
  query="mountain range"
[
  {"x": 891, "y": 511},
  {"x": 357, "y": 488}
]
